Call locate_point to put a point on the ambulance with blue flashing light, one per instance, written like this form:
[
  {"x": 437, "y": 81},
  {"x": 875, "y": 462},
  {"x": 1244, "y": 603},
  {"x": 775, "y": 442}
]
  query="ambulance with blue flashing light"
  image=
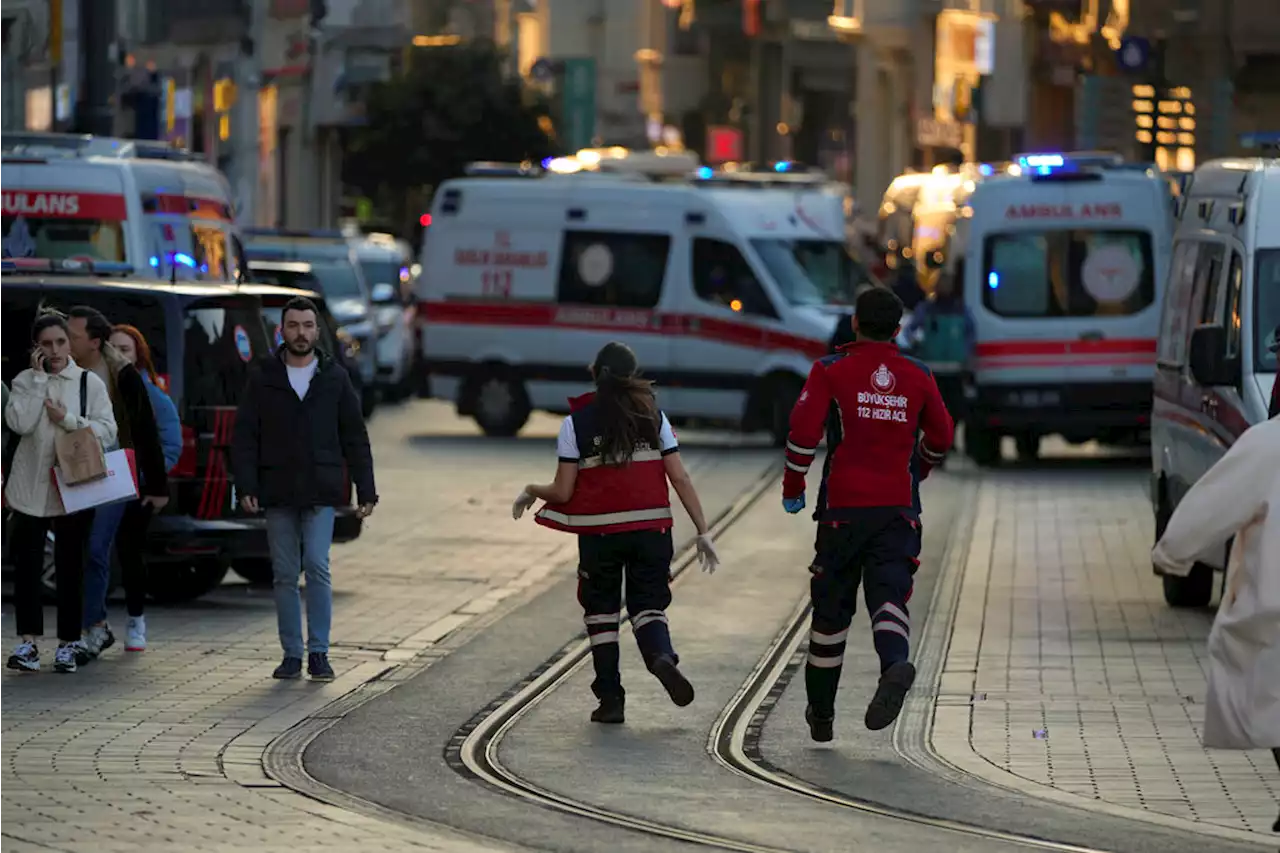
[
  {"x": 1063, "y": 267},
  {"x": 159, "y": 209},
  {"x": 726, "y": 293}
]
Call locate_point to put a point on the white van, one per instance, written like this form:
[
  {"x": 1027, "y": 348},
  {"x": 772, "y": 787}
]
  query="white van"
[
  {"x": 725, "y": 293},
  {"x": 1064, "y": 266},
  {"x": 1215, "y": 367},
  {"x": 160, "y": 210}
]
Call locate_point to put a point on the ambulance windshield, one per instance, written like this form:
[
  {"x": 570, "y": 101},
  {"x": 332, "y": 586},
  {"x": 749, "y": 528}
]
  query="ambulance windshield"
[
  {"x": 62, "y": 238},
  {"x": 812, "y": 272},
  {"x": 1068, "y": 273}
]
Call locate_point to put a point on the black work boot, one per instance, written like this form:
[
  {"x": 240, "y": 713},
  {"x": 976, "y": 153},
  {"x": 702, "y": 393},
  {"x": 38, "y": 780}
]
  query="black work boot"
[
  {"x": 886, "y": 705},
  {"x": 821, "y": 729},
  {"x": 611, "y": 710},
  {"x": 677, "y": 686}
]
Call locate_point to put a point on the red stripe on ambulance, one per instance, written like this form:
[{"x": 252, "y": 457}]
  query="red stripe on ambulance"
[
  {"x": 52, "y": 204},
  {"x": 603, "y": 319}
]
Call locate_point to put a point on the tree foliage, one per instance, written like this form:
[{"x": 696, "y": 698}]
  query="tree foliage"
[{"x": 452, "y": 106}]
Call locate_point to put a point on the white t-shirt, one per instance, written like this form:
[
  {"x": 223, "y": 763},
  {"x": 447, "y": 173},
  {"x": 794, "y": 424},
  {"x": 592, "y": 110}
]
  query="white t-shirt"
[
  {"x": 300, "y": 377},
  {"x": 567, "y": 442}
]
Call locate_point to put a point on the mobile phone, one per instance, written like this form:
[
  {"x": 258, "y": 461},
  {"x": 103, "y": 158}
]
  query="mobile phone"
[{"x": 48, "y": 365}]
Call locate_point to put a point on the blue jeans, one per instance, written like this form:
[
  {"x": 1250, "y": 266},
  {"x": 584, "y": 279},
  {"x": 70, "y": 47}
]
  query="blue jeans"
[
  {"x": 97, "y": 565},
  {"x": 299, "y": 540}
]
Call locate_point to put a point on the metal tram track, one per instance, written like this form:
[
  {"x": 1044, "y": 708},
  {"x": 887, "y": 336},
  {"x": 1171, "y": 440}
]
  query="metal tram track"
[{"x": 733, "y": 743}]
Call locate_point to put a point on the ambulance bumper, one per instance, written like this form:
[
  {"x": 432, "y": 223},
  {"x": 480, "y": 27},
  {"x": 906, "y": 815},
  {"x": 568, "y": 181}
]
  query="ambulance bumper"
[{"x": 1071, "y": 408}]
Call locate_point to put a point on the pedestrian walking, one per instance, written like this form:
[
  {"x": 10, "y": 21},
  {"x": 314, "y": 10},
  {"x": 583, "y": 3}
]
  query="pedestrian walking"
[
  {"x": 53, "y": 396},
  {"x": 137, "y": 430},
  {"x": 298, "y": 432},
  {"x": 617, "y": 453},
  {"x": 943, "y": 335},
  {"x": 843, "y": 337},
  {"x": 1238, "y": 497},
  {"x": 868, "y": 530}
]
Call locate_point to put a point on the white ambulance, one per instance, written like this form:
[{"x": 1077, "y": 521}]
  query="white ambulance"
[
  {"x": 1063, "y": 268},
  {"x": 727, "y": 294},
  {"x": 161, "y": 210}
]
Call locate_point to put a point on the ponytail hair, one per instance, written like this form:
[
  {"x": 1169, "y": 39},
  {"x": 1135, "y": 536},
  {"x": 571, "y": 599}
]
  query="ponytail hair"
[{"x": 629, "y": 416}]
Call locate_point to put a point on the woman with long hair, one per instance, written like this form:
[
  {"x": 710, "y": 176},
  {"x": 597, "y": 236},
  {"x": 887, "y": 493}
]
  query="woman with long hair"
[
  {"x": 124, "y": 525},
  {"x": 52, "y": 397},
  {"x": 617, "y": 454}
]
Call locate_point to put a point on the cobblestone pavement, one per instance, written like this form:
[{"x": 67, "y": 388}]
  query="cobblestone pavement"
[
  {"x": 162, "y": 751},
  {"x": 1069, "y": 677}
]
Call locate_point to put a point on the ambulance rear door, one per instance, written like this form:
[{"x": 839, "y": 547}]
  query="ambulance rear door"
[
  {"x": 1064, "y": 278},
  {"x": 190, "y": 231},
  {"x": 66, "y": 208}
]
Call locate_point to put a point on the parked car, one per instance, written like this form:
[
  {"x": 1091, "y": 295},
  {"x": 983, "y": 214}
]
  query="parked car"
[
  {"x": 204, "y": 339},
  {"x": 387, "y": 266}
]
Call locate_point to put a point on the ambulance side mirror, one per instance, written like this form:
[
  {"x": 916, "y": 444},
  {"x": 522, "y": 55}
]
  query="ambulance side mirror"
[
  {"x": 1210, "y": 364},
  {"x": 382, "y": 293}
]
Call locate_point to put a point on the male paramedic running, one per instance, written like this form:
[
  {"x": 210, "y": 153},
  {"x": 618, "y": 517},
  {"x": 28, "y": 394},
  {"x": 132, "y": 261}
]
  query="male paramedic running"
[{"x": 868, "y": 525}]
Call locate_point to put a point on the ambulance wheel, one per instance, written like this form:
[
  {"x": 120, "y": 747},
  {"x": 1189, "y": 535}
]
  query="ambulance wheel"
[
  {"x": 783, "y": 393},
  {"x": 982, "y": 446},
  {"x": 499, "y": 404},
  {"x": 1194, "y": 590}
]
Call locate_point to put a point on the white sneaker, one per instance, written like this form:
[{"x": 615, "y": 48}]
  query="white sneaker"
[
  {"x": 65, "y": 659},
  {"x": 98, "y": 639},
  {"x": 136, "y": 634}
]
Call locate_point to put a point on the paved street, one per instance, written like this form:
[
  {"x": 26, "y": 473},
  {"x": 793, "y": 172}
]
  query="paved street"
[
  {"x": 1085, "y": 686},
  {"x": 163, "y": 750},
  {"x": 1045, "y": 654}
]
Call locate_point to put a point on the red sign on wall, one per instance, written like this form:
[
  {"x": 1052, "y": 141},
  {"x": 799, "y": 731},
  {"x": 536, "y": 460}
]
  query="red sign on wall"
[{"x": 723, "y": 144}]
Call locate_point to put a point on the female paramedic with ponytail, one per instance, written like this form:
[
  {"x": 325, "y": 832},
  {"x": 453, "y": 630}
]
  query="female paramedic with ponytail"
[{"x": 617, "y": 451}]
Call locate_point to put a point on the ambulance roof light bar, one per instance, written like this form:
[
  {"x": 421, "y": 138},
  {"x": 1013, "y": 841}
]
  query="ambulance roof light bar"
[
  {"x": 493, "y": 169},
  {"x": 65, "y": 266}
]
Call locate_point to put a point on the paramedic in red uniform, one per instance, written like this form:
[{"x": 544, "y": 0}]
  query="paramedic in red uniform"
[
  {"x": 617, "y": 452},
  {"x": 890, "y": 410}
]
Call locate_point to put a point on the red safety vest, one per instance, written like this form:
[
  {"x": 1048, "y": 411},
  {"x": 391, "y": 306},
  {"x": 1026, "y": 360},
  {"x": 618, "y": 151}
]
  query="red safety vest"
[{"x": 610, "y": 498}]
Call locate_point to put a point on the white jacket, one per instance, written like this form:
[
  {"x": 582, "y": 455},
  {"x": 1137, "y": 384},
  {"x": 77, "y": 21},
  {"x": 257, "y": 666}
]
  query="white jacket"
[
  {"x": 29, "y": 488},
  {"x": 1240, "y": 495}
]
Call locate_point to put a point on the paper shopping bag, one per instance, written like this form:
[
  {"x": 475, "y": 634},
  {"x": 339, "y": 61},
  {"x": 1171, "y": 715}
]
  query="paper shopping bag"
[
  {"x": 118, "y": 485},
  {"x": 79, "y": 456}
]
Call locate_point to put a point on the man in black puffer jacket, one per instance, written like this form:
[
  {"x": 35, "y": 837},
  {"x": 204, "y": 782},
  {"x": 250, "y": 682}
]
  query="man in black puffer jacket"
[{"x": 298, "y": 432}]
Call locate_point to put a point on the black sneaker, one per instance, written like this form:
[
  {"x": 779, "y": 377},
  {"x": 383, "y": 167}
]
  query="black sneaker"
[
  {"x": 318, "y": 667},
  {"x": 821, "y": 729},
  {"x": 886, "y": 705},
  {"x": 677, "y": 686},
  {"x": 288, "y": 668},
  {"x": 611, "y": 710}
]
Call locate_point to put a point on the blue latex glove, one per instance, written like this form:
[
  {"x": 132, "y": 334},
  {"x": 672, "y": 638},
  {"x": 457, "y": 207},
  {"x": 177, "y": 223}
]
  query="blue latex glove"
[{"x": 793, "y": 505}]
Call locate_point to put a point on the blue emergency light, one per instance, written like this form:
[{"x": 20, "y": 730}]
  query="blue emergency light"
[{"x": 1041, "y": 164}]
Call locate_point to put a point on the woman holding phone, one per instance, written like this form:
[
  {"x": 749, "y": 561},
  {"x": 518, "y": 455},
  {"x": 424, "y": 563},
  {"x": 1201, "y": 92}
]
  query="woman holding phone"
[{"x": 53, "y": 396}]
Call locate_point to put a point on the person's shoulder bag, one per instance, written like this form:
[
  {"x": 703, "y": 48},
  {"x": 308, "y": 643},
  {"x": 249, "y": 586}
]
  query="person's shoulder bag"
[{"x": 78, "y": 453}]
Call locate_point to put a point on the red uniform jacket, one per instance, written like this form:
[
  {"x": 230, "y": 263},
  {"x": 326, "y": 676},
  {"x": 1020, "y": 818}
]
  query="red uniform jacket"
[{"x": 884, "y": 400}]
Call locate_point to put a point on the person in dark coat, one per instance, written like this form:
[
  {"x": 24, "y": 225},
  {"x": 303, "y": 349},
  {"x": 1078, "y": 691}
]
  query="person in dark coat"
[{"x": 298, "y": 432}]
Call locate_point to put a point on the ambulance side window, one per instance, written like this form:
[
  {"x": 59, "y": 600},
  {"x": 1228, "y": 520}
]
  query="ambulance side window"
[
  {"x": 1235, "y": 290},
  {"x": 1176, "y": 324},
  {"x": 1208, "y": 282},
  {"x": 723, "y": 277},
  {"x": 608, "y": 268}
]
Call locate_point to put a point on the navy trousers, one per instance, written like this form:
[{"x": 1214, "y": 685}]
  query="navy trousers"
[
  {"x": 877, "y": 548},
  {"x": 639, "y": 564}
]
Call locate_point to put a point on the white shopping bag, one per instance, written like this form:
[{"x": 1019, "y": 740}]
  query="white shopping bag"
[{"x": 120, "y": 484}]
